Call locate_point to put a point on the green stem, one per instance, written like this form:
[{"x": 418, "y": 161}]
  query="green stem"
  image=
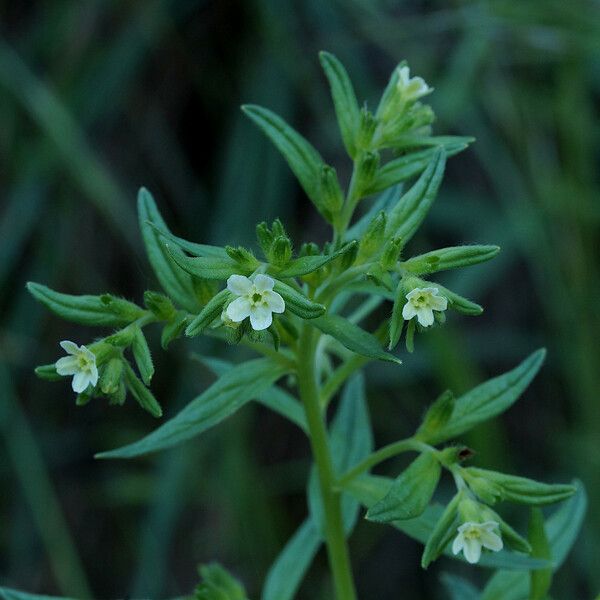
[
  {"x": 382, "y": 454},
  {"x": 339, "y": 377},
  {"x": 337, "y": 550}
]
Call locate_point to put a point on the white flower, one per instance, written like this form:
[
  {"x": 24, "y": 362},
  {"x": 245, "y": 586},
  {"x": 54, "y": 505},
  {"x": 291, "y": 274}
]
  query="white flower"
[
  {"x": 81, "y": 364},
  {"x": 474, "y": 536},
  {"x": 411, "y": 89},
  {"x": 422, "y": 302},
  {"x": 256, "y": 300}
]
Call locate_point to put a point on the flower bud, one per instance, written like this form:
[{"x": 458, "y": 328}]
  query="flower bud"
[
  {"x": 368, "y": 164},
  {"x": 111, "y": 376},
  {"x": 366, "y": 130},
  {"x": 160, "y": 305},
  {"x": 331, "y": 192},
  {"x": 391, "y": 253},
  {"x": 281, "y": 251},
  {"x": 373, "y": 238}
]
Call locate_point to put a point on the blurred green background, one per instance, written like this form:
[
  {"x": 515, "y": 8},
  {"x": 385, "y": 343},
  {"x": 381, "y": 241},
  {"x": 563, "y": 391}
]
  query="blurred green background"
[{"x": 102, "y": 96}]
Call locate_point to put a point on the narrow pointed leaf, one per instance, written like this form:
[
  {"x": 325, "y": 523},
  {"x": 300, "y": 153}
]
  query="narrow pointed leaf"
[
  {"x": 288, "y": 570},
  {"x": 177, "y": 284},
  {"x": 449, "y": 258},
  {"x": 85, "y": 309},
  {"x": 410, "y": 211},
  {"x": 410, "y": 493},
  {"x": 307, "y": 264},
  {"x": 489, "y": 399},
  {"x": 224, "y": 397},
  {"x": 344, "y": 100},
  {"x": 301, "y": 156},
  {"x": 208, "y": 267},
  {"x": 353, "y": 337}
]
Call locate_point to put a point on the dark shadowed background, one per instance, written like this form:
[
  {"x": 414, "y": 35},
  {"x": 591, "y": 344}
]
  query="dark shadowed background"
[{"x": 100, "y": 97}]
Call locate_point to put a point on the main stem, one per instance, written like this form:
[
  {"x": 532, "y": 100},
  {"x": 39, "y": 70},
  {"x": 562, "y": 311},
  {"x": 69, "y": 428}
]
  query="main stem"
[{"x": 337, "y": 549}]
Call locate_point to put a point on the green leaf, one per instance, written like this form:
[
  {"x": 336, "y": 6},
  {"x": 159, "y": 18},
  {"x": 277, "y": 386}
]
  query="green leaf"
[
  {"x": 410, "y": 211},
  {"x": 142, "y": 356},
  {"x": 449, "y": 258},
  {"x": 174, "y": 329},
  {"x": 458, "y": 588},
  {"x": 369, "y": 489},
  {"x": 288, "y": 570},
  {"x": 176, "y": 284},
  {"x": 489, "y": 399},
  {"x": 223, "y": 398},
  {"x": 192, "y": 248},
  {"x": 307, "y": 264},
  {"x": 353, "y": 337},
  {"x": 409, "y": 165},
  {"x": 409, "y": 141},
  {"x": 540, "y": 581},
  {"x": 10, "y": 594},
  {"x": 297, "y": 302},
  {"x": 208, "y": 314},
  {"x": 344, "y": 100},
  {"x": 384, "y": 202},
  {"x": 86, "y": 310},
  {"x": 301, "y": 156},
  {"x": 437, "y": 415},
  {"x": 218, "y": 584},
  {"x": 141, "y": 393},
  {"x": 206, "y": 267},
  {"x": 275, "y": 398},
  {"x": 410, "y": 493},
  {"x": 522, "y": 490},
  {"x": 562, "y": 529},
  {"x": 443, "y": 531},
  {"x": 350, "y": 441},
  {"x": 459, "y": 303}
]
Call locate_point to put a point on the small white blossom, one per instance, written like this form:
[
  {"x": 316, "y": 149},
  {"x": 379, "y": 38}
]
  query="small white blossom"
[
  {"x": 474, "y": 536},
  {"x": 421, "y": 302},
  {"x": 411, "y": 89},
  {"x": 256, "y": 299},
  {"x": 81, "y": 363}
]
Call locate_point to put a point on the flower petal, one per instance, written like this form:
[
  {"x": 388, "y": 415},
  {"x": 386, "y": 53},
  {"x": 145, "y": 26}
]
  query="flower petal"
[
  {"x": 274, "y": 301},
  {"x": 93, "y": 374},
  {"x": 458, "y": 543},
  {"x": 69, "y": 347},
  {"x": 239, "y": 309},
  {"x": 472, "y": 550},
  {"x": 413, "y": 293},
  {"x": 88, "y": 354},
  {"x": 438, "y": 303},
  {"x": 425, "y": 316},
  {"x": 263, "y": 283},
  {"x": 409, "y": 311},
  {"x": 67, "y": 365},
  {"x": 239, "y": 285},
  {"x": 80, "y": 382},
  {"x": 491, "y": 541},
  {"x": 260, "y": 318}
]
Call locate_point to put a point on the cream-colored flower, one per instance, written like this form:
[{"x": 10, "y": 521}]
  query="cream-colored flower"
[
  {"x": 472, "y": 537},
  {"x": 411, "y": 89},
  {"x": 256, "y": 299},
  {"x": 421, "y": 302},
  {"x": 81, "y": 363}
]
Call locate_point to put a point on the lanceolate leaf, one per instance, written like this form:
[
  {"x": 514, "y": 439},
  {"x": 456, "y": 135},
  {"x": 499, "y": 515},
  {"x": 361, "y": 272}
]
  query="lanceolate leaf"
[
  {"x": 409, "y": 165},
  {"x": 449, "y": 258},
  {"x": 308, "y": 264},
  {"x": 192, "y": 247},
  {"x": 353, "y": 337},
  {"x": 404, "y": 219},
  {"x": 274, "y": 397},
  {"x": 489, "y": 399},
  {"x": 300, "y": 155},
  {"x": 410, "y": 493},
  {"x": 208, "y": 267},
  {"x": 289, "y": 568},
  {"x": 344, "y": 100},
  {"x": 85, "y": 310},
  {"x": 224, "y": 397},
  {"x": 176, "y": 283},
  {"x": 384, "y": 202},
  {"x": 218, "y": 584}
]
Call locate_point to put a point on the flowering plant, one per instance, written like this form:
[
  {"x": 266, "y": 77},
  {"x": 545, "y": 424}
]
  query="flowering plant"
[{"x": 303, "y": 315}]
